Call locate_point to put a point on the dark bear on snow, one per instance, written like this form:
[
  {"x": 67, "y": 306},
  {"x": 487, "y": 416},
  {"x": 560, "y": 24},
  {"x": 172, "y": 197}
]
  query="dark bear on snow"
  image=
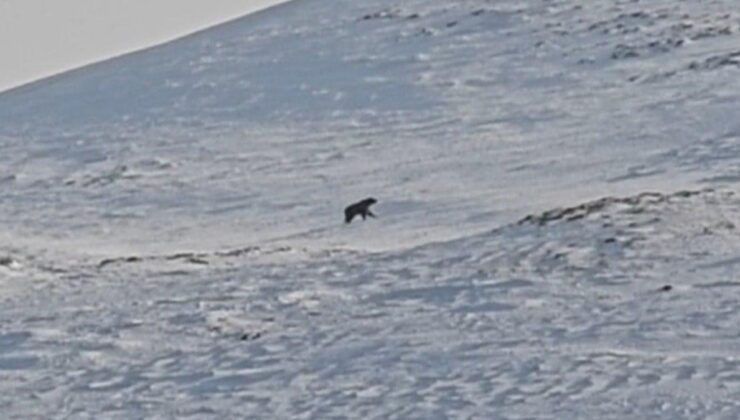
[{"x": 361, "y": 207}]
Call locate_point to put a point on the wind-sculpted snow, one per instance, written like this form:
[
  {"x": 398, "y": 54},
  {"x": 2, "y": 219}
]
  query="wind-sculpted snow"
[
  {"x": 565, "y": 319},
  {"x": 173, "y": 243}
]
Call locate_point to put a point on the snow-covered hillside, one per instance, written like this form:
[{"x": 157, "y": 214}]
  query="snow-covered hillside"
[
  {"x": 40, "y": 38},
  {"x": 556, "y": 235}
]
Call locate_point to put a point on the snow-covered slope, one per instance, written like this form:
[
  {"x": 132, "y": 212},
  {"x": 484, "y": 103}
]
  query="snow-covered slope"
[
  {"x": 39, "y": 38},
  {"x": 174, "y": 238}
]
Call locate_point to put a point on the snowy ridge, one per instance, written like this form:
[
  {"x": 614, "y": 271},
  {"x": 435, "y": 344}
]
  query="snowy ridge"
[{"x": 173, "y": 244}]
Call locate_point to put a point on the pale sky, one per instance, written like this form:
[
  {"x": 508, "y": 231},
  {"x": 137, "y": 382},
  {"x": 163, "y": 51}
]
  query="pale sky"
[{"x": 39, "y": 38}]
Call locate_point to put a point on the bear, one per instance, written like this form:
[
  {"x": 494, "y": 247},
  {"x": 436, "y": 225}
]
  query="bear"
[{"x": 361, "y": 207}]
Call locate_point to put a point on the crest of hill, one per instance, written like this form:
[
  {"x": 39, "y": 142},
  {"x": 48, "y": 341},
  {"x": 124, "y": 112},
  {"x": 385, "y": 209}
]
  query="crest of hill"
[{"x": 245, "y": 67}]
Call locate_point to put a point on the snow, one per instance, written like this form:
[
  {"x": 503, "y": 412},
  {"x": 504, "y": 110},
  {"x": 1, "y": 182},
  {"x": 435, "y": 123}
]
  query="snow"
[
  {"x": 556, "y": 234},
  {"x": 39, "y": 38}
]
